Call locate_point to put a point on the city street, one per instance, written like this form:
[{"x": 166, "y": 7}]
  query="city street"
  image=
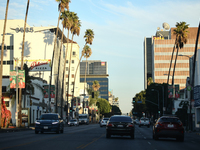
[{"x": 93, "y": 137}]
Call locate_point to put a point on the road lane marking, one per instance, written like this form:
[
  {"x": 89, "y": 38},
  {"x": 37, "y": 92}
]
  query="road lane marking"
[
  {"x": 149, "y": 143},
  {"x": 82, "y": 147},
  {"x": 145, "y": 138}
]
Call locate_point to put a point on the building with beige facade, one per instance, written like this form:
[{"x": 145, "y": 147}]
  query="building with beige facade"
[{"x": 39, "y": 44}]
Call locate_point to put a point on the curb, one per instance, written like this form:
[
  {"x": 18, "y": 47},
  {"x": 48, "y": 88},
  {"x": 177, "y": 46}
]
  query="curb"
[{"x": 4, "y": 130}]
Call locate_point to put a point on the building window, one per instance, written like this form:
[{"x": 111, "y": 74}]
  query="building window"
[
  {"x": 74, "y": 53},
  {"x": 4, "y": 62},
  {"x": 7, "y": 103},
  {"x": 72, "y": 75},
  {"x": 66, "y": 83},
  {"x": 72, "y": 61},
  {"x": 66, "y": 68},
  {"x": 66, "y": 75},
  {"x": 72, "y": 68},
  {"x": 66, "y": 61},
  {"x": 72, "y": 83}
]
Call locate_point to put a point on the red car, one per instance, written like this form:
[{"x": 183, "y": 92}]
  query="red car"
[{"x": 168, "y": 127}]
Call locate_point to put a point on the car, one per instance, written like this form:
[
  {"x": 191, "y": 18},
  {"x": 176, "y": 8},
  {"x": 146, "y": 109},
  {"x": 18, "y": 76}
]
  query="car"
[
  {"x": 168, "y": 127},
  {"x": 73, "y": 122},
  {"x": 120, "y": 125},
  {"x": 144, "y": 122},
  {"x": 49, "y": 122},
  {"x": 136, "y": 121},
  {"x": 103, "y": 122}
]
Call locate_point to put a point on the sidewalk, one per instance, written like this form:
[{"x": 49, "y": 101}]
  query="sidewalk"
[{"x": 4, "y": 130}]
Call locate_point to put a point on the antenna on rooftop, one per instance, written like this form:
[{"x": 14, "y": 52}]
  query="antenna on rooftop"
[{"x": 166, "y": 26}]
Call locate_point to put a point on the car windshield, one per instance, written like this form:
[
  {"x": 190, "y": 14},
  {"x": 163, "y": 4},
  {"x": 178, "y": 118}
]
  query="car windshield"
[
  {"x": 48, "y": 117},
  {"x": 169, "y": 120},
  {"x": 82, "y": 116},
  {"x": 144, "y": 119},
  {"x": 106, "y": 119},
  {"x": 120, "y": 119}
]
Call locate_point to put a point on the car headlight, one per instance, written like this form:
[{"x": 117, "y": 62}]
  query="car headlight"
[
  {"x": 36, "y": 122},
  {"x": 55, "y": 122}
]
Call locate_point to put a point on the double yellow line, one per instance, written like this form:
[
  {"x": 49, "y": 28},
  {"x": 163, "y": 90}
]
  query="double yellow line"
[{"x": 94, "y": 140}]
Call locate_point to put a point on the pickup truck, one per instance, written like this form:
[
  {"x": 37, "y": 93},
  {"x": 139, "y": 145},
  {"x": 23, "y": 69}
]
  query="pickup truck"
[{"x": 144, "y": 122}]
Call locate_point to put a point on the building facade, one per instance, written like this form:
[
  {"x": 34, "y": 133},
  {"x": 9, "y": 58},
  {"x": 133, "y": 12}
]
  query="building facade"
[
  {"x": 39, "y": 45},
  {"x": 96, "y": 70}
]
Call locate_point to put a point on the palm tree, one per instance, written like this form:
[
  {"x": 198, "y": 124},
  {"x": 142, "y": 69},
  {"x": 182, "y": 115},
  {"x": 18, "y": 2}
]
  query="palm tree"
[
  {"x": 96, "y": 85},
  {"x": 89, "y": 36},
  {"x": 75, "y": 30},
  {"x": 87, "y": 52},
  {"x": 2, "y": 52},
  {"x": 61, "y": 6}
]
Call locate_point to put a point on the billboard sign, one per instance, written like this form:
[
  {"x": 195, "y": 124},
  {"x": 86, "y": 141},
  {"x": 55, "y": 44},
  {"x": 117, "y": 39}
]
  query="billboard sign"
[
  {"x": 37, "y": 65},
  {"x": 13, "y": 77},
  {"x": 21, "y": 79}
]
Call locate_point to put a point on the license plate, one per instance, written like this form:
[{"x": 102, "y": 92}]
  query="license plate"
[
  {"x": 120, "y": 125},
  {"x": 45, "y": 127},
  {"x": 170, "y": 125}
]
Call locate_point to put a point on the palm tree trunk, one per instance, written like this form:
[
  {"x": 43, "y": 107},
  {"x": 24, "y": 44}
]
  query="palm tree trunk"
[
  {"x": 70, "y": 55},
  {"x": 22, "y": 62},
  {"x": 85, "y": 82},
  {"x": 64, "y": 70},
  {"x": 2, "y": 52},
  {"x": 59, "y": 73},
  {"x": 53, "y": 55},
  {"x": 75, "y": 75}
]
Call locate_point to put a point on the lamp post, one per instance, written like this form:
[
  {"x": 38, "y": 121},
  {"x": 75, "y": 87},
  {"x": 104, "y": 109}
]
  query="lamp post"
[
  {"x": 162, "y": 96},
  {"x": 190, "y": 92},
  {"x": 158, "y": 101}
]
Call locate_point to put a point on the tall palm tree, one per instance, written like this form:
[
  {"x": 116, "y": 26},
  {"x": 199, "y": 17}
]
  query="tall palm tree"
[
  {"x": 181, "y": 38},
  {"x": 61, "y": 7},
  {"x": 87, "y": 53},
  {"x": 89, "y": 36},
  {"x": 95, "y": 85},
  {"x": 2, "y": 52},
  {"x": 75, "y": 30}
]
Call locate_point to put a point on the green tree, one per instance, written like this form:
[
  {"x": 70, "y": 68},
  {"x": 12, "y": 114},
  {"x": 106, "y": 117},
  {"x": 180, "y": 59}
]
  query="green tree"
[
  {"x": 96, "y": 85},
  {"x": 116, "y": 110},
  {"x": 2, "y": 52},
  {"x": 103, "y": 106},
  {"x": 149, "y": 81},
  {"x": 89, "y": 36}
]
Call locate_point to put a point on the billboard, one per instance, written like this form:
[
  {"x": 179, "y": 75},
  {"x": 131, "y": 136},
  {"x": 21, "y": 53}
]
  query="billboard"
[
  {"x": 36, "y": 65},
  {"x": 14, "y": 81},
  {"x": 13, "y": 77}
]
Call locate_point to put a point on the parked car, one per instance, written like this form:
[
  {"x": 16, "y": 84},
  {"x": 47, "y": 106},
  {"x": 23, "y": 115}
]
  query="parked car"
[
  {"x": 144, "y": 122},
  {"x": 73, "y": 122},
  {"x": 104, "y": 122},
  {"x": 168, "y": 127},
  {"x": 136, "y": 121},
  {"x": 49, "y": 122},
  {"x": 120, "y": 125}
]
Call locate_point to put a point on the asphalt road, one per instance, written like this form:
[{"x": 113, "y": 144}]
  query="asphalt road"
[{"x": 93, "y": 137}]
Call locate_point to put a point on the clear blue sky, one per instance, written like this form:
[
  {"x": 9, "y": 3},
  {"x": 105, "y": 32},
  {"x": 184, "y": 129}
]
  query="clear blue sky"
[{"x": 119, "y": 27}]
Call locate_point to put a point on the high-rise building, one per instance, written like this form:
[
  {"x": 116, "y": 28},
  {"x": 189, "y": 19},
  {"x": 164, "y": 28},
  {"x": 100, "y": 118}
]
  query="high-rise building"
[
  {"x": 96, "y": 70},
  {"x": 157, "y": 57}
]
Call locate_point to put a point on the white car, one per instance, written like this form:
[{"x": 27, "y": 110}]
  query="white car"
[
  {"x": 104, "y": 122},
  {"x": 144, "y": 122}
]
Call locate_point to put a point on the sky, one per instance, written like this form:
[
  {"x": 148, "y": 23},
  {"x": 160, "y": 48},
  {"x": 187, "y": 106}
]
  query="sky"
[{"x": 119, "y": 27}]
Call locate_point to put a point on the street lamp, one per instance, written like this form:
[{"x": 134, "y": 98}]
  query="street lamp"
[{"x": 158, "y": 100}]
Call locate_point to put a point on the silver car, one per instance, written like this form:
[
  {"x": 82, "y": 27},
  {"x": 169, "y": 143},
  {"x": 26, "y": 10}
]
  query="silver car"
[
  {"x": 73, "y": 122},
  {"x": 104, "y": 122},
  {"x": 144, "y": 122}
]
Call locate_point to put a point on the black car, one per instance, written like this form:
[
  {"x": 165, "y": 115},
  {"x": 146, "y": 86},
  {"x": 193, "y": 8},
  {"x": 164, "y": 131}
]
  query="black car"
[
  {"x": 168, "y": 127},
  {"x": 49, "y": 122},
  {"x": 120, "y": 125}
]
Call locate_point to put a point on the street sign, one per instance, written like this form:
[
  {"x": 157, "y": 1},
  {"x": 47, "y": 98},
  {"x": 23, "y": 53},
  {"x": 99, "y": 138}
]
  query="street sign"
[
  {"x": 189, "y": 88},
  {"x": 139, "y": 102}
]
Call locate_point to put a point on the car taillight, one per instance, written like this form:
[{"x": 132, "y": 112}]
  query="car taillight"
[
  {"x": 129, "y": 125},
  {"x": 110, "y": 125},
  {"x": 160, "y": 123},
  {"x": 180, "y": 124}
]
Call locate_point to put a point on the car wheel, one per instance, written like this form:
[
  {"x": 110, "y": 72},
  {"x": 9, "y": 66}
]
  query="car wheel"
[
  {"x": 148, "y": 126},
  {"x": 139, "y": 125},
  {"x": 36, "y": 132},
  {"x": 62, "y": 130},
  {"x": 107, "y": 135},
  {"x": 155, "y": 137},
  {"x": 58, "y": 131},
  {"x": 181, "y": 139}
]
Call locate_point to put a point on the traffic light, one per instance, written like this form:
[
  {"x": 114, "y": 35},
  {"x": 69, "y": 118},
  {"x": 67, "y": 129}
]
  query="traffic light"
[
  {"x": 133, "y": 100},
  {"x": 159, "y": 111}
]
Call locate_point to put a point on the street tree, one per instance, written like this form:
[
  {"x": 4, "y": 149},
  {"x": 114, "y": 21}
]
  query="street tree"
[{"x": 103, "y": 105}]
